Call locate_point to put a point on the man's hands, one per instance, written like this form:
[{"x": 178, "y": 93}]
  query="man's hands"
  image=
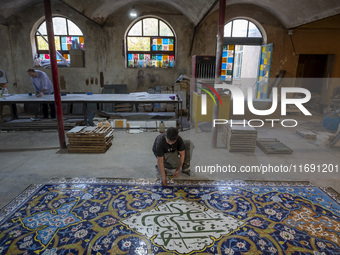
[
  {"x": 177, "y": 172},
  {"x": 164, "y": 182},
  {"x": 40, "y": 94}
]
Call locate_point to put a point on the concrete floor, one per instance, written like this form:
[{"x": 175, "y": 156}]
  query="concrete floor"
[{"x": 35, "y": 157}]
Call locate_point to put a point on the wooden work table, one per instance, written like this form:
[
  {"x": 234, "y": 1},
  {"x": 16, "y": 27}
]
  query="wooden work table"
[{"x": 95, "y": 98}]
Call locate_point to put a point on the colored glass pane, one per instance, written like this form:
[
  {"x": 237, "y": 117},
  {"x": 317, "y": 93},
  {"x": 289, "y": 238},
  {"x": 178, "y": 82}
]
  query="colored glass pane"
[
  {"x": 171, "y": 47},
  {"x": 81, "y": 39},
  {"x": 64, "y": 46},
  {"x": 42, "y": 44},
  {"x": 159, "y": 41},
  {"x": 57, "y": 42},
  {"x": 138, "y": 43},
  {"x": 153, "y": 57},
  {"x": 159, "y": 47},
  {"x": 165, "y": 41}
]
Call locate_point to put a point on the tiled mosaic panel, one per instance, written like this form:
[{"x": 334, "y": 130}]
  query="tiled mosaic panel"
[
  {"x": 227, "y": 62},
  {"x": 162, "y": 44},
  {"x": 264, "y": 71},
  {"x": 151, "y": 219},
  {"x": 63, "y": 43},
  {"x": 150, "y": 60}
]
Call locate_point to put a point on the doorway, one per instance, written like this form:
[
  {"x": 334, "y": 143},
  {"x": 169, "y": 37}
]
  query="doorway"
[{"x": 313, "y": 73}]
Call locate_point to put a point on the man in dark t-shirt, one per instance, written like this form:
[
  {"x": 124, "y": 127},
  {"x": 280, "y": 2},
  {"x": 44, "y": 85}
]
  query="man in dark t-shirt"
[{"x": 172, "y": 153}]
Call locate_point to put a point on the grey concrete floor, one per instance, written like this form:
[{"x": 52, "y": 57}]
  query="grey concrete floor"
[{"x": 34, "y": 157}]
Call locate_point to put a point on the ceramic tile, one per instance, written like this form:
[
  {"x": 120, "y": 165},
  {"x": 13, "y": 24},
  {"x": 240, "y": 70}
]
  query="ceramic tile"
[{"x": 128, "y": 216}]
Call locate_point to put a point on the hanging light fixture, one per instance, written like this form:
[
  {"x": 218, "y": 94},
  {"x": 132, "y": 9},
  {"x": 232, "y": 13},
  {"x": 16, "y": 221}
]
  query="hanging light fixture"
[{"x": 133, "y": 12}]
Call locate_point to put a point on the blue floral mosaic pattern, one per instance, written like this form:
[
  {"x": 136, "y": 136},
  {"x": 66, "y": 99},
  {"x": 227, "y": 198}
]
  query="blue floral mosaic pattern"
[{"x": 142, "y": 217}]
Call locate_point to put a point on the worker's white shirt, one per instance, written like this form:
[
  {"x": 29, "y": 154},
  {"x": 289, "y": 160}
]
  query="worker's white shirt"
[{"x": 42, "y": 82}]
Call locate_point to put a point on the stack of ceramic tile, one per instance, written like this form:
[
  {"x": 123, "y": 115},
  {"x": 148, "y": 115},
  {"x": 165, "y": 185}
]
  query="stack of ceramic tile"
[
  {"x": 90, "y": 139},
  {"x": 306, "y": 134},
  {"x": 239, "y": 138}
]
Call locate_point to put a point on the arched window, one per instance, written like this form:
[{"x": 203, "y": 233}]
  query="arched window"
[
  {"x": 242, "y": 28},
  {"x": 67, "y": 36},
  {"x": 150, "y": 42},
  {"x": 245, "y": 57}
]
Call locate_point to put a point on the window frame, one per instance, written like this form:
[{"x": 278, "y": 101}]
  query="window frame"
[
  {"x": 63, "y": 52},
  {"x": 158, "y": 36},
  {"x": 246, "y": 40}
]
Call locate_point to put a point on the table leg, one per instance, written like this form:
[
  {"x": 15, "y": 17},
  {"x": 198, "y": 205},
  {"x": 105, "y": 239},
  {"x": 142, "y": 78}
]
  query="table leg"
[
  {"x": 1, "y": 119},
  {"x": 85, "y": 113}
]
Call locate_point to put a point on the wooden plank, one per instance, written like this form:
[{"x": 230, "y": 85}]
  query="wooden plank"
[
  {"x": 90, "y": 139},
  {"x": 273, "y": 146}
]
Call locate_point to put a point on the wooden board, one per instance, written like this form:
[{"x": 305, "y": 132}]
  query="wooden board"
[{"x": 273, "y": 146}]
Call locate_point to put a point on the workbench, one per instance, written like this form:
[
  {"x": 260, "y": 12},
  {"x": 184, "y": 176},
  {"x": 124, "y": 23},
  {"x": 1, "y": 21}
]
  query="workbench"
[{"x": 97, "y": 98}]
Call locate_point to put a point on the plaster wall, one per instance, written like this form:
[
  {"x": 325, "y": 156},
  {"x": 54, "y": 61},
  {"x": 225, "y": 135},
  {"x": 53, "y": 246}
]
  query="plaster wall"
[
  {"x": 6, "y": 54},
  {"x": 205, "y": 38},
  {"x": 104, "y": 51},
  {"x": 320, "y": 37}
]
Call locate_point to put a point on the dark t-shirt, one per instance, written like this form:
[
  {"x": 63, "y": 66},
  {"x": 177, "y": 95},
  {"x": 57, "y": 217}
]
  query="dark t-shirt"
[{"x": 160, "y": 145}]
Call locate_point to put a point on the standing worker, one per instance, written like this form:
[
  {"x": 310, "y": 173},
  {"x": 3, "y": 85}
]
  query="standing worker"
[{"x": 42, "y": 86}]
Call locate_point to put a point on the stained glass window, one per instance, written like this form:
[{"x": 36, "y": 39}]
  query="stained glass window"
[
  {"x": 264, "y": 71},
  {"x": 227, "y": 62},
  {"x": 237, "y": 32},
  {"x": 150, "y": 42},
  {"x": 66, "y": 35}
]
